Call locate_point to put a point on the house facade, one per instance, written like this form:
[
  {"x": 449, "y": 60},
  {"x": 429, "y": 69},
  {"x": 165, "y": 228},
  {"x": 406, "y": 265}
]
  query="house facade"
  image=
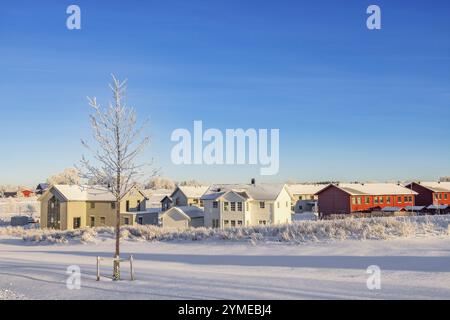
[
  {"x": 65, "y": 207},
  {"x": 247, "y": 205},
  {"x": 346, "y": 198},
  {"x": 431, "y": 193},
  {"x": 304, "y": 198},
  {"x": 188, "y": 196}
]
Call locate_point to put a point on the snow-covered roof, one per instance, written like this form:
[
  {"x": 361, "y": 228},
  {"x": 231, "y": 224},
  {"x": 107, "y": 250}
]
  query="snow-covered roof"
[
  {"x": 435, "y": 207},
  {"x": 415, "y": 208},
  {"x": 155, "y": 196},
  {"x": 392, "y": 209},
  {"x": 260, "y": 191},
  {"x": 376, "y": 189},
  {"x": 190, "y": 211},
  {"x": 436, "y": 186},
  {"x": 192, "y": 191},
  {"x": 84, "y": 193},
  {"x": 306, "y": 189}
]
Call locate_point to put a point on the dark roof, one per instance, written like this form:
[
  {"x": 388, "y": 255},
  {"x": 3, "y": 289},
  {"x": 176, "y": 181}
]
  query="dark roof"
[{"x": 42, "y": 186}]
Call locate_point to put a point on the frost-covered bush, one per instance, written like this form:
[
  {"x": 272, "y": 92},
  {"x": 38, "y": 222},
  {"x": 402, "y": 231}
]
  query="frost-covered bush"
[{"x": 297, "y": 232}]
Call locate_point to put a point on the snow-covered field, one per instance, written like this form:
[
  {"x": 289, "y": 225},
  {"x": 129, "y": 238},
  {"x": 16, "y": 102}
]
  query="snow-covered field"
[{"x": 411, "y": 268}]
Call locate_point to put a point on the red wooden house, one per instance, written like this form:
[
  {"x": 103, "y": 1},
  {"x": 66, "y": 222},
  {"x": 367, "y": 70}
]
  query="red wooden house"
[
  {"x": 346, "y": 198},
  {"x": 26, "y": 193},
  {"x": 431, "y": 193}
]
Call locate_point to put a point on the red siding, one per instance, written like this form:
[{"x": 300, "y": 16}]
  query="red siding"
[
  {"x": 427, "y": 197},
  {"x": 441, "y": 198},
  {"x": 333, "y": 200},
  {"x": 381, "y": 202}
]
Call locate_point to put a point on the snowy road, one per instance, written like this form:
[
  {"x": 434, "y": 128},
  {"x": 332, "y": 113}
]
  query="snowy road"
[{"x": 411, "y": 269}]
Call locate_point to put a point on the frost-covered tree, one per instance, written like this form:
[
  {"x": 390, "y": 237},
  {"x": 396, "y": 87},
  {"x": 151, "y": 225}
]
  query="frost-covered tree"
[
  {"x": 191, "y": 183},
  {"x": 118, "y": 142},
  {"x": 160, "y": 183},
  {"x": 69, "y": 176}
]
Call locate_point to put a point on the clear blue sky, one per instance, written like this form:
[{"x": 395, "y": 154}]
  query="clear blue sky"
[{"x": 351, "y": 104}]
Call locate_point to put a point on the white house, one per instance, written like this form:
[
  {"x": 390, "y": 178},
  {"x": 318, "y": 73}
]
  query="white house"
[
  {"x": 235, "y": 205},
  {"x": 303, "y": 196}
]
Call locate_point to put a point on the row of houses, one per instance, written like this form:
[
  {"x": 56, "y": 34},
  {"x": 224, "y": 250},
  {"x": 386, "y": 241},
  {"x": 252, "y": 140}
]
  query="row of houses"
[{"x": 232, "y": 205}]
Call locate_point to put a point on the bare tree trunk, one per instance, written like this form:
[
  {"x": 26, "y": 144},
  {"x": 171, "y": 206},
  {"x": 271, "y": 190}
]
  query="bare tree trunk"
[{"x": 116, "y": 266}]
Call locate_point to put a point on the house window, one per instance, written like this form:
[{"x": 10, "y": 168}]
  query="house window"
[
  {"x": 246, "y": 206},
  {"x": 138, "y": 205},
  {"x": 226, "y": 223},
  {"x": 399, "y": 199},
  {"x": 92, "y": 222},
  {"x": 262, "y": 205},
  {"x": 103, "y": 221},
  {"x": 446, "y": 196},
  {"x": 239, "y": 206},
  {"x": 440, "y": 196},
  {"x": 233, "y": 206},
  {"x": 225, "y": 206},
  {"x": 113, "y": 205},
  {"x": 140, "y": 220},
  {"x": 127, "y": 206},
  {"x": 215, "y": 223},
  {"x": 262, "y": 222},
  {"x": 233, "y": 223},
  {"x": 300, "y": 198},
  {"x": 76, "y": 223},
  {"x": 240, "y": 223},
  {"x": 92, "y": 205},
  {"x": 388, "y": 200},
  {"x": 353, "y": 200},
  {"x": 215, "y": 204},
  {"x": 435, "y": 196},
  {"x": 359, "y": 200},
  {"x": 381, "y": 200},
  {"x": 201, "y": 203},
  {"x": 367, "y": 200},
  {"x": 126, "y": 221},
  {"x": 375, "y": 200}
]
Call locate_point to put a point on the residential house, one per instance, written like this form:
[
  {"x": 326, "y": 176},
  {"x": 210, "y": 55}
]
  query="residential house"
[
  {"x": 304, "y": 198},
  {"x": 27, "y": 193},
  {"x": 346, "y": 198},
  {"x": 431, "y": 193},
  {"x": 174, "y": 218},
  {"x": 41, "y": 188},
  {"x": 155, "y": 197},
  {"x": 188, "y": 196},
  {"x": 236, "y": 205},
  {"x": 68, "y": 207}
]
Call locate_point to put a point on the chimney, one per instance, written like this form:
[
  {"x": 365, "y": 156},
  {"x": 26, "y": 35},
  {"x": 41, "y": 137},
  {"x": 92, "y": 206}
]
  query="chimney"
[{"x": 253, "y": 181}]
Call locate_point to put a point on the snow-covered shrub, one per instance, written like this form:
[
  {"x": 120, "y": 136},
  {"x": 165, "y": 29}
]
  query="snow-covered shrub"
[{"x": 297, "y": 232}]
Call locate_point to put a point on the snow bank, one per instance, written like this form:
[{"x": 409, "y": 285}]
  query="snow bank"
[{"x": 297, "y": 232}]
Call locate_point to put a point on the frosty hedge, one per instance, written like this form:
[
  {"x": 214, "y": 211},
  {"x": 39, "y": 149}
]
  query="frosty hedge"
[{"x": 298, "y": 232}]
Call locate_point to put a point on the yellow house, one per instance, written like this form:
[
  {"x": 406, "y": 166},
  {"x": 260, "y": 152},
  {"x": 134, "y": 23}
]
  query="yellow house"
[
  {"x": 188, "y": 196},
  {"x": 69, "y": 207}
]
